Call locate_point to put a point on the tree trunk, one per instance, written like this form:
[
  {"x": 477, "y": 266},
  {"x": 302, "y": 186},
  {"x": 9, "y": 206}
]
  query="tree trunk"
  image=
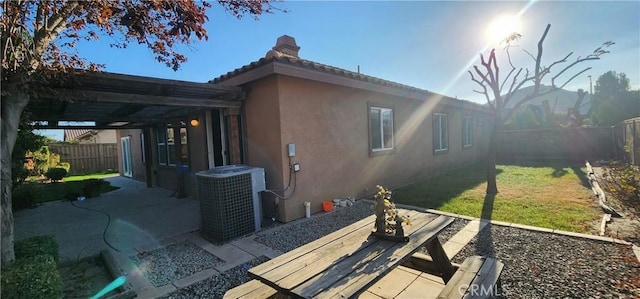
[
  {"x": 13, "y": 104},
  {"x": 492, "y": 185}
]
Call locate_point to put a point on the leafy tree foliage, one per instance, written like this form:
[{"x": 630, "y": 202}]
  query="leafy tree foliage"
[
  {"x": 38, "y": 39},
  {"x": 613, "y": 101}
]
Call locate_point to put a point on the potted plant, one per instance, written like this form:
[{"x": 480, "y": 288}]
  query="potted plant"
[{"x": 388, "y": 222}]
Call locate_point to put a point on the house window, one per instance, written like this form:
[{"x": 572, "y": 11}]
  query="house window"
[
  {"x": 440, "y": 133},
  {"x": 381, "y": 128},
  {"x": 467, "y": 131},
  {"x": 166, "y": 145}
]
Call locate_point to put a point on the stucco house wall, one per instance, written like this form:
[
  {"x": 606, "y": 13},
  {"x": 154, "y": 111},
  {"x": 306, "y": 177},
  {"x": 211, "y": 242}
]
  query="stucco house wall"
[
  {"x": 330, "y": 127},
  {"x": 102, "y": 136},
  {"x": 325, "y": 112}
]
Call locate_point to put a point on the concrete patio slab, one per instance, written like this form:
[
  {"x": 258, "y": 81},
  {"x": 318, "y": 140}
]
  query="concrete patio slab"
[
  {"x": 134, "y": 215},
  {"x": 254, "y": 248},
  {"x": 230, "y": 254}
]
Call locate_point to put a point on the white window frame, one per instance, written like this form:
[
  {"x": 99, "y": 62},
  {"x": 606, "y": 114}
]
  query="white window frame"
[
  {"x": 467, "y": 131},
  {"x": 440, "y": 144},
  {"x": 383, "y": 142},
  {"x": 162, "y": 142},
  {"x": 166, "y": 143}
]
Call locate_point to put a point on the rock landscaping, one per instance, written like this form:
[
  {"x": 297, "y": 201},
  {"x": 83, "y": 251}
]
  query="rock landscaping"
[{"x": 170, "y": 263}]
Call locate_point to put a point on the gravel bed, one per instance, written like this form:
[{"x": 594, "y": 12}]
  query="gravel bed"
[
  {"x": 215, "y": 286},
  {"x": 173, "y": 262},
  {"x": 537, "y": 265},
  {"x": 544, "y": 265},
  {"x": 293, "y": 235}
]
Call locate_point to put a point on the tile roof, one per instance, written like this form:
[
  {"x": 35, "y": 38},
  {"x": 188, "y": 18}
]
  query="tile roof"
[
  {"x": 286, "y": 59},
  {"x": 75, "y": 134}
]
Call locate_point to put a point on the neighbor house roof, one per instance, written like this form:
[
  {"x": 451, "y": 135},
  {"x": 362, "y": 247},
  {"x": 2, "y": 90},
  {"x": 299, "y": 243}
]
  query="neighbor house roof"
[
  {"x": 283, "y": 59},
  {"x": 76, "y": 134}
]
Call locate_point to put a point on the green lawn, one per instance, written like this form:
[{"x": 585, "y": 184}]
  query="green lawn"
[
  {"x": 90, "y": 176},
  {"x": 32, "y": 193},
  {"x": 551, "y": 195}
]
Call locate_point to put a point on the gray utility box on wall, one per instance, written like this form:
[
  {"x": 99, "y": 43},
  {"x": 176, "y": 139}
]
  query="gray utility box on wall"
[{"x": 230, "y": 204}]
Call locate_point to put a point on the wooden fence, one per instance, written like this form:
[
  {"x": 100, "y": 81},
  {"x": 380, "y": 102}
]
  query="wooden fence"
[
  {"x": 628, "y": 140},
  {"x": 88, "y": 158},
  {"x": 577, "y": 144}
]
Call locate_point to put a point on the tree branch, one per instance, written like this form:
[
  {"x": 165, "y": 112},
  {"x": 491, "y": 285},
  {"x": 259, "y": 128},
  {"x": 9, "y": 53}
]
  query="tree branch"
[
  {"x": 484, "y": 87},
  {"x": 558, "y": 62},
  {"x": 574, "y": 76},
  {"x": 571, "y": 65},
  {"x": 61, "y": 17},
  {"x": 527, "y": 98},
  {"x": 539, "y": 59},
  {"x": 530, "y": 55},
  {"x": 40, "y": 16},
  {"x": 513, "y": 84},
  {"x": 43, "y": 37}
]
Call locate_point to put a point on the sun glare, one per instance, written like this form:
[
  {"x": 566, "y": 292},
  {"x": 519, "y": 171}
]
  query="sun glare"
[{"x": 503, "y": 26}]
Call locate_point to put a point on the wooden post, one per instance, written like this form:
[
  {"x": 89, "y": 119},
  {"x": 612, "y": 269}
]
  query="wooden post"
[
  {"x": 146, "y": 136},
  {"x": 101, "y": 155},
  {"x": 232, "y": 116},
  {"x": 177, "y": 145}
]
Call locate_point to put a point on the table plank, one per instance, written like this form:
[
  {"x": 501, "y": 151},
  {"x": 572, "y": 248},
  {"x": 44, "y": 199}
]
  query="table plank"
[
  {"x": 365, "y": 274},
  {"x": 345, "y": 262},
  {"x": 266, "y": 267},
  {"x": 328, "y": 256}
]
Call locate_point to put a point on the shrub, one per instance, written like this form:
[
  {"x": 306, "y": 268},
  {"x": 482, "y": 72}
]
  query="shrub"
[
  {"x": 623, "y": 181},
  {"x": 40, "y": 245},
  {"x": 35, "y": 277},
  {"x": 25, "y": 196},
  {"x": 41, "y": 158},
  {"x": 56, "y": 174},
  {"x": 19, "y": 173},
  {"x": 64, "y": 165}
]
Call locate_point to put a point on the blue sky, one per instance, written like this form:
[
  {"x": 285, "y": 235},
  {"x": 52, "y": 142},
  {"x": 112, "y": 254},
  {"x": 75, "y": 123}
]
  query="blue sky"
[{"x": 426, "y": 44}]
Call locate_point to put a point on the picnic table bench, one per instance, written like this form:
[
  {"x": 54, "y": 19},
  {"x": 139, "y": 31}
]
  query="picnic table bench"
[
  {"x": 343, "y": 263},
  {"x": 347, "y": 262}
]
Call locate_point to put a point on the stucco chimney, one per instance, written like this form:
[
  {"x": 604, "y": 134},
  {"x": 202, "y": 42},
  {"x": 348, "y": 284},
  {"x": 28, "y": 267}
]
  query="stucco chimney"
[{"x": 285, "y": 46}]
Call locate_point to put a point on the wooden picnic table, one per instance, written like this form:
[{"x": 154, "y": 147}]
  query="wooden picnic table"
[{"x": 345, "y": 263}]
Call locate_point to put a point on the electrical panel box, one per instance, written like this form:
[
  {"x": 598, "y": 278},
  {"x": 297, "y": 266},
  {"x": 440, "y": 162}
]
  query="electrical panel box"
[{"x": 291, "y": 147}]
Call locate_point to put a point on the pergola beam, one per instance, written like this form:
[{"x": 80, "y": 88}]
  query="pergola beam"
[{"x": 142, "y": 99}]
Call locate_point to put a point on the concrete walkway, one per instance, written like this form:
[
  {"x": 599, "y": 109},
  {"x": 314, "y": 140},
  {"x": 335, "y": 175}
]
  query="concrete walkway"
[
  {"x": 140, "y": 219},
  {"x": 137, "y": 215}
]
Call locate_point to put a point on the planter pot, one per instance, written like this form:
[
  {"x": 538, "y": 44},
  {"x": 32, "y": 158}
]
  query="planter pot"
[{"x": 327, "y": 206}]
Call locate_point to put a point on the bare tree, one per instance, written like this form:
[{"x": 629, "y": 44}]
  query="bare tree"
[
  {"x": 575, "y": 117},
  {"x": 500, "y": 92}
]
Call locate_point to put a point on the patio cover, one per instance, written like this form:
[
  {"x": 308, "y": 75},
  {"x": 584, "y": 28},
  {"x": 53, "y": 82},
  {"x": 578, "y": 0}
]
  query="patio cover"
[{"x": 118, "y": 101}]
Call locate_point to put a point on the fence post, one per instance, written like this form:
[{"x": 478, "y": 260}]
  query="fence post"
[{"x": 101, "y": 154}]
